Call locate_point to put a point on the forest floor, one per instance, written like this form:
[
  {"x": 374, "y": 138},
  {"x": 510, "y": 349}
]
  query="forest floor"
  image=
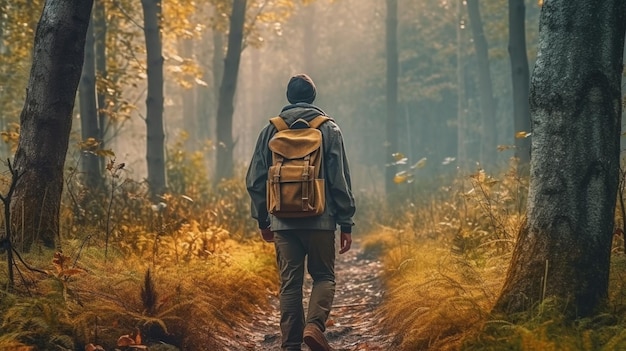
[{"x": 354, "y": 324}]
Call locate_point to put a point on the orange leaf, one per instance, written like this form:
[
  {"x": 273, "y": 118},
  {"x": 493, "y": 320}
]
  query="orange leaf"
[
  {"x": 125, "y": 340},
  {"x": 138, "y": 338}
]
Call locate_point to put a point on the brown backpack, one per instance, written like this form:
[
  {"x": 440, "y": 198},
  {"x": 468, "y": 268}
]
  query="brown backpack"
[{"x": 294, "y": 186}]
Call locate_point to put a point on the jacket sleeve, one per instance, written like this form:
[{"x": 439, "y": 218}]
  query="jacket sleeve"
[
  {"x": 256, "y": 178},
  {"x": 338, "y": 179}
]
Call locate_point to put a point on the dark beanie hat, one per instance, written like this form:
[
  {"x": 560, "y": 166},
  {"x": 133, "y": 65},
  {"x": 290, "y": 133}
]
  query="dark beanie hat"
[{"x": 301, "y": 89}]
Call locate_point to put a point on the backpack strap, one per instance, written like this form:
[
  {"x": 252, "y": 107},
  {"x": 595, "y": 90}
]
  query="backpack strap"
[
  {"x": 279, "y": 123},
  {"x": 318, "y": 121}
]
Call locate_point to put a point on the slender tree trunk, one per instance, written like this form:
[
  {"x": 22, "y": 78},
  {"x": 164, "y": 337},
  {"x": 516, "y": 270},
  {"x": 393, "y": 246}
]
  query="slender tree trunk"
[
  {"x": 46, "y": 120},
  {"x": 488, "y": 144},
  {"x": 218, "y": 75},
  {"x": 190, "y": 114},
  {"x": 206, "y": 94},
  {"x": 520, "y": 79},
  {"x": 100, "y": 32},
  {"x": 228, "y": 87},
  {"x": 155, "y": 147},
  {"x": 392, "y": 93},
  {"x": 564, "y": 248},
  {"x": 4, "y": 149},
  {"x": 462, "y": 144},
  {"x": 89, "y": 114}
]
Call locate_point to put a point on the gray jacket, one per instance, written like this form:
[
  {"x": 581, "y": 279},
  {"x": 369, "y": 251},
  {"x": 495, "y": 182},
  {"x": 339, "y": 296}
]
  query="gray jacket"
[{"x": 340, "y": 206}]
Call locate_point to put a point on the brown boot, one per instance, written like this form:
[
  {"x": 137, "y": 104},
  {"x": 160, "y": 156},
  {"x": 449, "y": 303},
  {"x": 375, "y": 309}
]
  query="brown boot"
[{"x": 315, "y": 339}]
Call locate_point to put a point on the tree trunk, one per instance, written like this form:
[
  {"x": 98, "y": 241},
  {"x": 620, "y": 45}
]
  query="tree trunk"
[
  {"x": 462, "y": 142},
  {"x": 488, "y": 144},
  {"x": 392, "y": 93},
  {"x": 155, "y": 148},
  {"x": 206, "y": 95},
  {"x": 89, "y": 114},
  {"x": 218, "y": 75},
  {"x": 225, "y": 110},
  {"x": 100, "y": 32},
  {"x": 575, "y": 104},
  {"x": 46, "y": 120},
  {"x": 190, "y": 114},
  {"x": 520, "y": 80}
]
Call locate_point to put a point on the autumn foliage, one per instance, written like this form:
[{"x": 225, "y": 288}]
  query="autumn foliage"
[{"x": 133, "y": 274}]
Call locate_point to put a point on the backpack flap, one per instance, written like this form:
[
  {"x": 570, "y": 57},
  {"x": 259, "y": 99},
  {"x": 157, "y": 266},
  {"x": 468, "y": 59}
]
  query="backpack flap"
[{"x": 296, "y": 143}]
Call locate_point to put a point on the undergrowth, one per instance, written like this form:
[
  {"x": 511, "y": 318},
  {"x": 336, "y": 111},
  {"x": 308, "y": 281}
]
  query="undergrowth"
[
  {"x": 445, "y": 260},
  {"x": 182, "y": 272}
]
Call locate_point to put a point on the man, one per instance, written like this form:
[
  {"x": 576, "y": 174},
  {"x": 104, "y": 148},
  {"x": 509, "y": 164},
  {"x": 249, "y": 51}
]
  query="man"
[{"x": 312, "y": 238}]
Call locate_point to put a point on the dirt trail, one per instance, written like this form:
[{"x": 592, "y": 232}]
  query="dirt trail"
[{"x": 353, "y": 324}]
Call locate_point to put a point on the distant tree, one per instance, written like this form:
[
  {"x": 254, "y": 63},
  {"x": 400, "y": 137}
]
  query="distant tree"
[
  {"x": 90, "y": 133},
  {"x": 18, "y": 19},
  {"x": 392, "y": 92},
  {"x": 488, "y": 131},
  {"x": 155, "y": 154},
  {"x": 228, "y": 86},
  {"x": 99, "y": 22},
  {"x": 520, "y": 79},
  {"x": 218, "y": 74},
  {"x": 462, "y": 124},
  {"x": 46, "y": 119},
  {"x": 188, "y": 97},
  {"x": 563, "y": 249}
]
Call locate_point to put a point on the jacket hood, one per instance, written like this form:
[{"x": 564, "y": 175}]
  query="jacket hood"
[{"x": 292, "y": 113}]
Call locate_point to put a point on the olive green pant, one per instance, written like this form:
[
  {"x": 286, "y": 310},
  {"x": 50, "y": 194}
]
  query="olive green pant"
[{"x": 292, "y": 248}]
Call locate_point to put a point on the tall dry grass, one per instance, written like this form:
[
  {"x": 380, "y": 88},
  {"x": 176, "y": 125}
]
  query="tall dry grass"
[
  {"x": 183, "y": 272},
  {"x": 446, "y": 259}
]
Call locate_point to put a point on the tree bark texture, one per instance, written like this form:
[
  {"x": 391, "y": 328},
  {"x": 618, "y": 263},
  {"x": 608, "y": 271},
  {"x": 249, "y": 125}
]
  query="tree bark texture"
[
  {"x": 228, "y": 87},
  {"x": 488, "y": 144},
  {"x": 575, "y": 103},
  {"x": 155, "y": 147},
  {"x": 520, "y": 80},
  {"x": 46, "y": 120},
  {"x": 89, "y": 113},
  {"x": 392, "y": 93}
]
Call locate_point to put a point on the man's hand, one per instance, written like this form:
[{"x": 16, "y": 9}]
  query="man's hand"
[
  {"x": 346, "y": 241},
  {"x": 267, "y": 234}
]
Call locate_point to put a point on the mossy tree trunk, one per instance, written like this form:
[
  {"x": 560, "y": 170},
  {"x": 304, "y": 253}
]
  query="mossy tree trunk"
[
  {"x": 46, "y": 120},
  {"x": 564, "y": 248}
]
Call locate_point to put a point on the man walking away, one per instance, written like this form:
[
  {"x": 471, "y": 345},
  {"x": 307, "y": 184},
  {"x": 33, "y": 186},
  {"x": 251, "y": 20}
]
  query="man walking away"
[{"x": 299, "y": 238}]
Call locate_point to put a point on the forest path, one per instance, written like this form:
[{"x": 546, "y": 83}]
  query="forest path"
[{"x": 353, "y": 324}]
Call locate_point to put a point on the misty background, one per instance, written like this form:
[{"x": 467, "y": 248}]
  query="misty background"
[{"x": 341, "y": 45}]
